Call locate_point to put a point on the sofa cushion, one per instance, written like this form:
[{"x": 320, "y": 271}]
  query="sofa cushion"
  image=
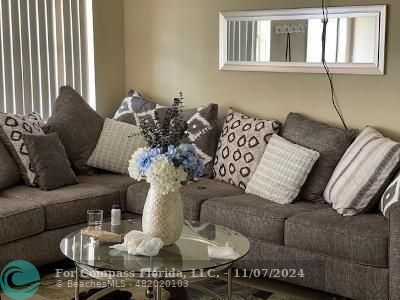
[
  {"x": 77, "y": 125},
  {"x": 19, "y": 218},
  {"x": 253, "y": 216},
  {"x": 9, "y": 172},
  {"x": 67, "y": 205},
  {"x": 193, "y": 195},
  {"x": 361, "y": 239},
  {"x": 330, "y": 142},
  {"x": 117, "y": 182}
]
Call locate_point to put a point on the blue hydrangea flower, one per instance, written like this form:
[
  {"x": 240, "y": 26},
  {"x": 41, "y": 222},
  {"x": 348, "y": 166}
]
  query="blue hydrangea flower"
[
  {"x": 171, "y": 151},
  {"x": 188, "y": 158},
  {"x": 188, "y": 149},
  {"x": 146, "y": 159}
]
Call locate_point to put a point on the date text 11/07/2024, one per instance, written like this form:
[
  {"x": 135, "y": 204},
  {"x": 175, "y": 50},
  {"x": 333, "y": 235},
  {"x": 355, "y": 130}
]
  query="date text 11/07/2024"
[{"x": 269, "y": 273}]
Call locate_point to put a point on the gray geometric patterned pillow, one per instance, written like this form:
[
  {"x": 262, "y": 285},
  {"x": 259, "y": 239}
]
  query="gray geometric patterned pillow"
[
  {"x": 390, "y": 197},
  {"x": 240, "y": 148},
  {"x": 202, "y": 123},
  {"x": 203, "y": 133},
  {"x": 133, "y": 103},
  {"x": 202, "y": 130},
  {"x": 149, "y": 116},
  {"x": 13, "y": 127}
]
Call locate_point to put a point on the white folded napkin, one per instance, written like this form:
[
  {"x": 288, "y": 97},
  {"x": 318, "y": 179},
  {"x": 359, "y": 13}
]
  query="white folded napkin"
[
  {"x": 222, "y": 252},
  {"x": 138, "y": 243}
]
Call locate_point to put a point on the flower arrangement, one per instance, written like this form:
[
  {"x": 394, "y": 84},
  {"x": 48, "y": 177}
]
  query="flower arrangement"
[{"x": 167, "y": 163}]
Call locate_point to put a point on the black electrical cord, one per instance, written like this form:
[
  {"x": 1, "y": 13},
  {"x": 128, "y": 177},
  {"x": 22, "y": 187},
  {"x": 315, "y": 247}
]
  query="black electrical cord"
[
  {"x": 325, "y": 21},
  {"x": 288, "y": 48}
]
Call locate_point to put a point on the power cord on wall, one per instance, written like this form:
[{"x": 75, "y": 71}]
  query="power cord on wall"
[
  {"x": 325, "y": 21},
  {"x": 288, "y": 48}
]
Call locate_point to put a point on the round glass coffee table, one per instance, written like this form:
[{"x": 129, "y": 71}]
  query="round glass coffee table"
[{"x": 186, "y": 261}]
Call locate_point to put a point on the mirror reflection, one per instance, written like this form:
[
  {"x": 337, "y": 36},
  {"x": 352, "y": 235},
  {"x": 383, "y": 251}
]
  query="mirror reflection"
[{"x": 349, "y": 40}]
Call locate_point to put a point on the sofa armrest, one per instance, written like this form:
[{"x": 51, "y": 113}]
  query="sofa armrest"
[{"x": 394, "y": 252}]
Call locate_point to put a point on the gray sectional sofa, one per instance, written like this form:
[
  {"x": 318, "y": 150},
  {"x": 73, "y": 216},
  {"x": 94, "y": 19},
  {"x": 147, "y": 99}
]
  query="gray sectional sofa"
[{"x": 357, "y": 257}]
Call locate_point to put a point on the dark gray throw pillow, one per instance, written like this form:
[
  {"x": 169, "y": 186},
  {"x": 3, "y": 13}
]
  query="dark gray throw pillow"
[
  {"x": 77, "y": 125},
  {"x": 9, "y": 172},
  {"x": 330, "y": 142},
  {"x": 49, "y": 161}
]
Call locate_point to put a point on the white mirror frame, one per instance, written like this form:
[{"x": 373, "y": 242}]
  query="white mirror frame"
[{"x": 377, "y": 68}]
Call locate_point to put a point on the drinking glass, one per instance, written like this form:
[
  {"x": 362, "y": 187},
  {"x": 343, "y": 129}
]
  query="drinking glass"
[{"x": 95, "y": 219}]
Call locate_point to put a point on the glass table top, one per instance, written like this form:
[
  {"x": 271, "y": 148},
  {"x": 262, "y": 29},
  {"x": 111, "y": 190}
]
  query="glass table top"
[{"x": 188, "y": 254}]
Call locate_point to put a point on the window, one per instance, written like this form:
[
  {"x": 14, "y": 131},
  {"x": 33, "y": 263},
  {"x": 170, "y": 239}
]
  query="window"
[
  {"x": 348, "y": 40},
  {"x": 314, "y": 45},
  {"x": 264, "y": 41},
  {"x": 44, "y": 44}
]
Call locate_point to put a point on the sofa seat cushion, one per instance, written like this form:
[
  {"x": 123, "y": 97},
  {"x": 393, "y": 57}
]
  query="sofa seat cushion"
[
  {"x": 19, "y": 218},
  {"x": 361, "y": 239},
  {"x": 68, "y": 205},
  {"x": 253, "y": 216},
  {"x": 117, "y": 182},
  {"x": 193, "y": 195}
]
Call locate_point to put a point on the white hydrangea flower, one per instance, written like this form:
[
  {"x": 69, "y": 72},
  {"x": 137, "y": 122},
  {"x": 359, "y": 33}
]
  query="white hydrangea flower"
[
  {"x": 164, "y": 176},
  {"x": 133, "y": 167}
]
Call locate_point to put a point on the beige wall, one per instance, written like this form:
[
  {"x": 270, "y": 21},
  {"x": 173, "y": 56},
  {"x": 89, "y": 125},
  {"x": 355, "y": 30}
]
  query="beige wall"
[
  {"x": 108, "y": 27},
  {"x": 172, "y": 45}
]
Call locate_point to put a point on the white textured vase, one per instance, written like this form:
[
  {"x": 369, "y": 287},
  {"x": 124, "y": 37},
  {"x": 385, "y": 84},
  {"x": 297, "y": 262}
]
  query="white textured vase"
[{"x": 163, "y": 216}]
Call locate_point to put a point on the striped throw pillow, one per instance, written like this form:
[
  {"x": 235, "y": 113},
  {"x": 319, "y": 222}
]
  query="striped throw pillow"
[
  {"x": 358, "y": 180},
  {"x": 390, "y": 196}
]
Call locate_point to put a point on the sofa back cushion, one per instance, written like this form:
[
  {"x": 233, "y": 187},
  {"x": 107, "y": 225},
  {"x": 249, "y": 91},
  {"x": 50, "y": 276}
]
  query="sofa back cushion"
[
  {"x": 241, "y": 145},
  {"x": 12, "y": 129},
  {"x": 362, "y": 174},
  {"x": 9, "y": 172},
  {"x": 330, "y": 142},
  {"x": 77, "y": 125}
]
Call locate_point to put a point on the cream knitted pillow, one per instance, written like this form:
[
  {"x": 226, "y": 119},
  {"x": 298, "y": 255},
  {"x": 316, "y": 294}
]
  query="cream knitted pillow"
[
  {"x": 117, "y": 142},
  {"x": 282, "y": 171}
]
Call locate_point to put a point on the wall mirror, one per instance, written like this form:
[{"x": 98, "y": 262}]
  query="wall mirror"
[{"x": 291, "y": 40}]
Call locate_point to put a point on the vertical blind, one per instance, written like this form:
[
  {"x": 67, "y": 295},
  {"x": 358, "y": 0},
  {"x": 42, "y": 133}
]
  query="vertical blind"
[
  {"x": 44, "y": 44},
  {"x": 242, "y": 40}
]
